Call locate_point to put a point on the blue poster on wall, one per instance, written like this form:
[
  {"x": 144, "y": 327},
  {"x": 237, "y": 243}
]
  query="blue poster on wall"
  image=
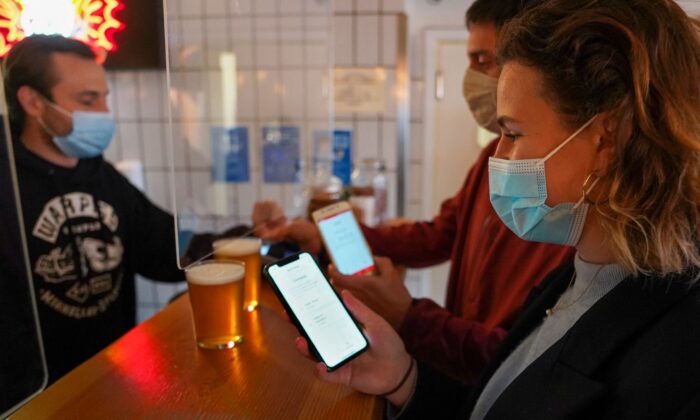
[
  {"x": 229, "y": 151},
  {"x": 339, "y": 149},
  {"x": 280, "y": 153},
  {"x": 342, "y": 155}
]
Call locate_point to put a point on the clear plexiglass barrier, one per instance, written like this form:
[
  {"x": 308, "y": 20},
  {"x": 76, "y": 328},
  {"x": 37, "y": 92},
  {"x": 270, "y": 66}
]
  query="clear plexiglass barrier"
[
  {"x": 248, "y": 95},
  {"x": 23, "y": 371}
]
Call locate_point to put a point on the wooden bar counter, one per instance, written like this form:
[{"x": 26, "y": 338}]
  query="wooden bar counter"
[{"x": 157, "y": 371}]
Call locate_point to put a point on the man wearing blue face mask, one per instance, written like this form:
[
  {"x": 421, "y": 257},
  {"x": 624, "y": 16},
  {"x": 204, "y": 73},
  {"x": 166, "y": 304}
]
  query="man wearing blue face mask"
[
  {"x": 91, "y": 134},
  {"x": 89, "y": 231}
]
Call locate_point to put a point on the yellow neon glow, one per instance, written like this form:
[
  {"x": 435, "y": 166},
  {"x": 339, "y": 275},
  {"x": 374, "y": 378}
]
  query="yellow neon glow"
[
  {"x": 10, "y": 13},
  {"x": 99, "y": 17},
  {"x": 96, "y": 23}
]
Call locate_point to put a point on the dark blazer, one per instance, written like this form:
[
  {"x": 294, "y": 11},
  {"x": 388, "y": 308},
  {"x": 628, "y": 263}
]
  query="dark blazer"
[{"x": 634, "y": 355}]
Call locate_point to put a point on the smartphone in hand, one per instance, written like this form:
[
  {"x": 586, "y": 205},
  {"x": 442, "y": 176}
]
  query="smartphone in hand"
[
  {"x": 316, "y": 310},
  {"x": 343, "y": 239}
]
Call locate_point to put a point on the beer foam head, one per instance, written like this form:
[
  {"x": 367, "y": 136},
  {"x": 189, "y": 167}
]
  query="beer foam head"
[
  {"x": 215, "y": 273},
  {"x": 237, "y": 247}
]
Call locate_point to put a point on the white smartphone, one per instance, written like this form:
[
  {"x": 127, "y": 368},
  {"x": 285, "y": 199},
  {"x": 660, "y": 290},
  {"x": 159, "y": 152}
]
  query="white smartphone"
[
  {"x": 343, "y": 239},
  {"x": 314, "y": 307}
]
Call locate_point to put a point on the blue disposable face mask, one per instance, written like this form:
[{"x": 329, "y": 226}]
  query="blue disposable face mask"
[
  {"x": 518, "y": 191},
  {"x": 91, "y": 135}
]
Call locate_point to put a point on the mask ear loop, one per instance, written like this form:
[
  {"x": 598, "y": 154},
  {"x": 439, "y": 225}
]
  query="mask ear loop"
[
  {"x": 58, "y": 108},
  {"x": 586, "y": 191},
  {"x": 571, "y": 137},
  {"x": 45, "y": 127}
]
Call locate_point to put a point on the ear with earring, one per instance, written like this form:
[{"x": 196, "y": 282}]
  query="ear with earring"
[
  {"x": 588, "y": 184},
  {"x": 593, "y": 178}
]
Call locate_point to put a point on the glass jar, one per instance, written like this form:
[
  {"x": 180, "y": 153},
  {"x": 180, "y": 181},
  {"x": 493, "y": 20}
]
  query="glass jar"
[
  {"x": 368, "y": 192},
  {"x": 381, "y": 197},
  {"x": 325, "y": 188}
]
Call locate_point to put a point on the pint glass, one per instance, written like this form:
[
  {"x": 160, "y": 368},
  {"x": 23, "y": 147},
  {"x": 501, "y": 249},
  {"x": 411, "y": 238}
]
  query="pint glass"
[
  {"x": 216, "y": 296},
  {"x": 247, "y": 251}
]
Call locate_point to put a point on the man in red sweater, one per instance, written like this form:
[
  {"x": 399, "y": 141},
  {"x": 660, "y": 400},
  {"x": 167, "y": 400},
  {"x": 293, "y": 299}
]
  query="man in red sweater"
[{"x": 492, "y": 269}]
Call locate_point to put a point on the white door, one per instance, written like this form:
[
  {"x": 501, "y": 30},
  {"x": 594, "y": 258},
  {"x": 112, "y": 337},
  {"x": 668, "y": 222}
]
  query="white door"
[
  {"x": 452, "y": 136},
  {"x": 454, "y": 130}
]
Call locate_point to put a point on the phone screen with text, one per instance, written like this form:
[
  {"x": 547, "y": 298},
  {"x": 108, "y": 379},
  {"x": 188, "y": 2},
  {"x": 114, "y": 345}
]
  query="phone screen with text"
[
  {"x": 346, "y": 244},
  {"x": 318, "y": 309}
]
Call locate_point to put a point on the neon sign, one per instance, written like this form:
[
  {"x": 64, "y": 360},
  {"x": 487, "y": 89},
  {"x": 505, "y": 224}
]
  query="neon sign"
[{"x": 91, "y": 21}]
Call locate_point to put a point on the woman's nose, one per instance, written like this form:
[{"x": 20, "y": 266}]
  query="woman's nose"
[{"x": 504, "y": 148}]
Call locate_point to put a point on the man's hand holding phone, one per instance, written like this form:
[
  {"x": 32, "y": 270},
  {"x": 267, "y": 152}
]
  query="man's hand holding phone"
[
  {"x": 343, "y": 239},
  {"x": 384, "y": 291},
  {"x": 381, "y": 368}
]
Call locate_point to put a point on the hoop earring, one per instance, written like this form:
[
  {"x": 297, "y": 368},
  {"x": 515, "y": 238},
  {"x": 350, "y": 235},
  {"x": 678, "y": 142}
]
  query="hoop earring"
[{"x": 588, "y": 186}]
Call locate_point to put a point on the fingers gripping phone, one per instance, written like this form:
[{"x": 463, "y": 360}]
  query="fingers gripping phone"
[
  {"x": 343, "y": 239},
  {"x": 317, "y": 311}
]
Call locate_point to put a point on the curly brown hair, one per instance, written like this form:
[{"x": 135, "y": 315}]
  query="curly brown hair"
[{"x": 638, "y": 61}]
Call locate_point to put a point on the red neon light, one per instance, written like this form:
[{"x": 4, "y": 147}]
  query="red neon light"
[
  {"x": 10, "y": 31},
  {"x": 101, "y": 22},
  {"x": 97, "y": 18}
]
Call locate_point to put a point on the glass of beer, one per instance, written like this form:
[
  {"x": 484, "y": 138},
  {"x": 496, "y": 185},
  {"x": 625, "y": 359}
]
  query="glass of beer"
[
  {"x": 247, "y": 251},
  {"x": 216, "y": 296}
]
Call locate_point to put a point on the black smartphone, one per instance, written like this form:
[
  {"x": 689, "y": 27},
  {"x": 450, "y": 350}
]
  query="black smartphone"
[
  {"x": 316, "y": 309},
  {"x": 278, "y": 250}
]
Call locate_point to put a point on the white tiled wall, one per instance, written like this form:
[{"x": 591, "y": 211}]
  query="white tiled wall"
[{"x": 282, "y": 49}]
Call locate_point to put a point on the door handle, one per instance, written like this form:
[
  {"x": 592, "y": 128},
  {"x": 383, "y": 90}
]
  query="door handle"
[{"x": 439, "y": 85}]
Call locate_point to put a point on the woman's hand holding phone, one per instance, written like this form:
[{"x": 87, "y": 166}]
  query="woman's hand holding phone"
[{"x": 379, "y": 369}]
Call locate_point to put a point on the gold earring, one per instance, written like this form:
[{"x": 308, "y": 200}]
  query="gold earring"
[{"x": 587, "y": 186}]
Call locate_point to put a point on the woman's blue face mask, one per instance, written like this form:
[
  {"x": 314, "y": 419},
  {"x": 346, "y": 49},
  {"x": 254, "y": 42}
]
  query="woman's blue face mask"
[
  {"x": 518, "y": 191},
  {"x": 91, "y": 135}
]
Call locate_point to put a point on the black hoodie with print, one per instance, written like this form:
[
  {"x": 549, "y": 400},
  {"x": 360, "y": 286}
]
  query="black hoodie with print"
[{"x": 88, "y": 232}]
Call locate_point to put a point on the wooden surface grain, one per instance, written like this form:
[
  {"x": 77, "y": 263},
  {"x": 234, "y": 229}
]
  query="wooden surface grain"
[{"x": 157, "y": 371}]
